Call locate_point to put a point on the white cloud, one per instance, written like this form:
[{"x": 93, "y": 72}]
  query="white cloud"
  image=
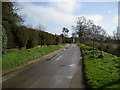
[
  {"x": 61, "y": 0},
  {"x": 49, "y": 14},
  {"x": 57, "y": 15},
  {"x": 109, "y": 11},
  {"x": 98, "y": 19},
  {"x": 66, "y": 7},
  {"x": 115, "y": 20},
  {"x": 111, "y": 26}
]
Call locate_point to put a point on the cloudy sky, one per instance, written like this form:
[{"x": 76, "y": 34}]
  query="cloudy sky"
[{"x": 56, "y": 15}]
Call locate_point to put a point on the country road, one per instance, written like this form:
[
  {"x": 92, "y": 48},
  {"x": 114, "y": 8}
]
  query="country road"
[{"x": 64, "y": 70}]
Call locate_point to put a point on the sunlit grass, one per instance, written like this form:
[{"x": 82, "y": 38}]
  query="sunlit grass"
[
  {"x": 15, "y": 59},
  {"x": 101, "y": 72}
]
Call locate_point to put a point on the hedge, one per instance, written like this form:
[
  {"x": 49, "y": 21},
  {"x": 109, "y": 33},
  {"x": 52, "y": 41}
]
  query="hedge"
[{"x": 23, "y": 36}]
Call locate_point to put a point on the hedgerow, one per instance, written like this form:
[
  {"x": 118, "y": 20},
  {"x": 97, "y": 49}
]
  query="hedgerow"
[{"x": 22, "y": 36}]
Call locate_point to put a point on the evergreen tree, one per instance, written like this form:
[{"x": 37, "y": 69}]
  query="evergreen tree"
[{"x": 4, "y": 41}]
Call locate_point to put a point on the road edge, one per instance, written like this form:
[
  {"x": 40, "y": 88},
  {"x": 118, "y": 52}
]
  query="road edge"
[{"x": 40, "y": 59}]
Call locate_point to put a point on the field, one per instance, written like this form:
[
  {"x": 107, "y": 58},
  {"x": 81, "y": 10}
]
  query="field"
[
  {"x": 101, "y": 72},
  {"x": 15, "y": 59}
]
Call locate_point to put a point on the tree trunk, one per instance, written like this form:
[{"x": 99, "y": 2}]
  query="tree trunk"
[
  {"x": 93, "y": 48},
  {"x": 101, "y": 46}
]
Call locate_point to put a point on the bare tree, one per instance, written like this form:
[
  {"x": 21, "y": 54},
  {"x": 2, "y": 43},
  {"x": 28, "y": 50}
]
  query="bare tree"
[
  {"x": 97, "y": 33},
  {"x": 83, "y": 28},
  {"x": 40, "y": 27},
  {"x": 118, "y": 39},
  {"x": 88, "y": 32},
  {"x": 74, "y": 34},
  {"x": 102, "y": 37},
  {"x": 80, "y": 27},
  {"x": 65, "y": 31},
  {"x": 29, "y": 26},
  {"x": 93, "y": 37}
]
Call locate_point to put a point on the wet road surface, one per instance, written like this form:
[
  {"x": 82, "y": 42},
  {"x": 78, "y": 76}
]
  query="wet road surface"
[{"x": 64, "y": 70}]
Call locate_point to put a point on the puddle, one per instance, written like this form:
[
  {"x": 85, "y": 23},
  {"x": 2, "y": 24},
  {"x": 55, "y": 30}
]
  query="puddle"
[
  {"x": 58, "y": 58},
  {"x": 69, "y": 77},
  {"x": 64, "y": 49},
  {"x": 72, "y": 65}
]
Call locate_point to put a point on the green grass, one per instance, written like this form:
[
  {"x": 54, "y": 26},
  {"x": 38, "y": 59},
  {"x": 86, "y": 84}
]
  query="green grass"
[
  {"x": 15, "y": 59},
  {"x": 101, "y": 72}
]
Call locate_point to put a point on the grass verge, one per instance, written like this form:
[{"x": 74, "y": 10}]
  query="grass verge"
[
  {"x": 15, "y": 59},
  {"x": 101, "y": 72}
]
